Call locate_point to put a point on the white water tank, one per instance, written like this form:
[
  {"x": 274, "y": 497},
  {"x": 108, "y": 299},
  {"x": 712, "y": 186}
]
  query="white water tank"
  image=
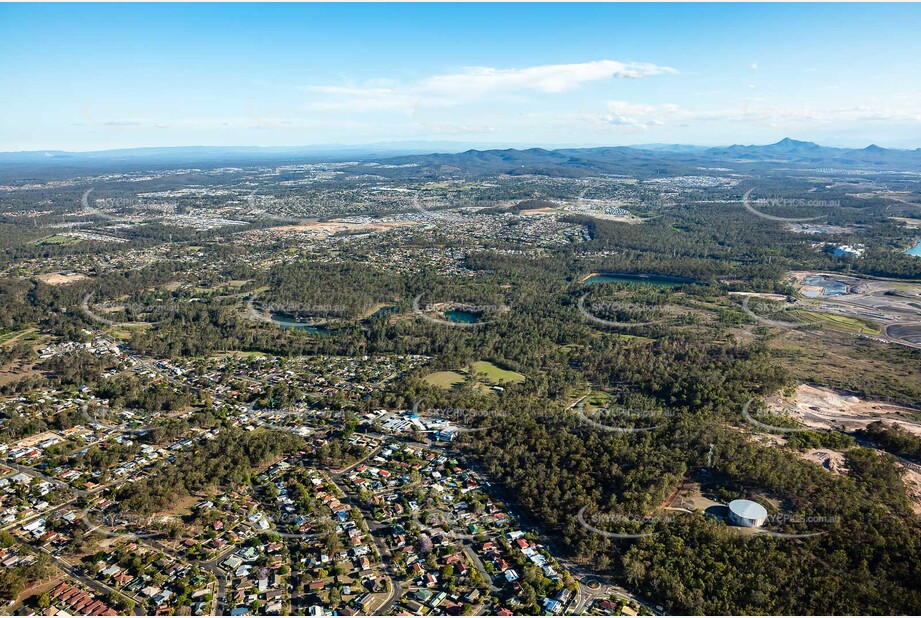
[{"x": 747, "y": 513}]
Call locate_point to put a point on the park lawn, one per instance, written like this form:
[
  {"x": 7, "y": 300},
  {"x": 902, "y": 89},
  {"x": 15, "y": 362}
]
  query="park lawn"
[
  {"x": 444, "y": 379},
  {"x": 58, "y": 239},
  {"x": 495, "y": 374}
]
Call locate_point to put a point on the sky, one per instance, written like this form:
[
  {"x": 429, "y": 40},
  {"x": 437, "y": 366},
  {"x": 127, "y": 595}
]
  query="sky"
[{"x": 102, "y": 76}]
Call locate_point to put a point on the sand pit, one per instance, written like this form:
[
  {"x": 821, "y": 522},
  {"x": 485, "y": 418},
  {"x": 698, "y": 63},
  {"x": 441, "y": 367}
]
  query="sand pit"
[
  {"x": 828, "y": 459},
  {"x": 61, "y": 278},
  {"x": 913, "y": 483},
  {"x": 824, "y": 408}
]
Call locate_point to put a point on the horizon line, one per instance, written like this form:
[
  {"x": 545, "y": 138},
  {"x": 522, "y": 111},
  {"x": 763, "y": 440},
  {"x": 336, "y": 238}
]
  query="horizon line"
[{"x": 472, "y": 145}]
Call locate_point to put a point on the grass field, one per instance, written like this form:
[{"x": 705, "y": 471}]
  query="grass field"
[
  {"x": 597, "y": 399},
  {"x": 444, "y": 379},
  {"x": 495, "y": 374},
  {"x": 6, "y": 335},
  {"x": 878, "y": 371},
  {"x": 59, "y": 239},
  {"x": 9, "y": 335},
  {"x": 841, "y": 322}
]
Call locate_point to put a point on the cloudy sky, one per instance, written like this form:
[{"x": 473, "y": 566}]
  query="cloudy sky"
[{"x": 90, "y": 77}]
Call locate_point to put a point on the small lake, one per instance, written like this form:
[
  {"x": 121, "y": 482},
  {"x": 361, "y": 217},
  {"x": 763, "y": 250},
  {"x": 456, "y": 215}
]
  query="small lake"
[
  {"x": 286, "y": 321},
  {"x": 384, "y": 311},
  {"x": 916, "y": 250},
  {"x": 645, "y": 279},
  {"x": 829, "y": 288},
  {"x": 465, "y": 317}
]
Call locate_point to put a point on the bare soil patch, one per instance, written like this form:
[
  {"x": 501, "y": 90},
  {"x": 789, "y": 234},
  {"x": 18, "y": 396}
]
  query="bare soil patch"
[
  {"x": 61, "y": 278},
  {"x": 824, "y": 408}
]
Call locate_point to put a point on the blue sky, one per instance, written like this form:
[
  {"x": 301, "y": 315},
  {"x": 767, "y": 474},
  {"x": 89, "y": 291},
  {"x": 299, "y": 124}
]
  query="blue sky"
[{"x": 99, "y": 76}]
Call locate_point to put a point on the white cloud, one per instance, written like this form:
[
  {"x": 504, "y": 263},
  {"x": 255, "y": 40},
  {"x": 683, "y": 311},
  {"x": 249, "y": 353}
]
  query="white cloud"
[
  {"x": 622, "y": 114},
  {"x": 550, "y": 78},
  {"x": 476, "y": 84}
]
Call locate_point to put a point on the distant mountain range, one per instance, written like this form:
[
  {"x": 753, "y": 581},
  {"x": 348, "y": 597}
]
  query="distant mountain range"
[
  {"x": 810, "y": 152},
  {"x": 653, "y": 158},
  {"x": 210, "y": 153},
  {"x": 661, "y": 158}
]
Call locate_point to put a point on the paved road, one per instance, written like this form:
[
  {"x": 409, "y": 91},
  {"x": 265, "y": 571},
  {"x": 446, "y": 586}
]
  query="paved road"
[
  {"x": 212, "y": 565},
  {"x": 478, "y": 564},
  {"x": 45, "y": 477},
  {"x": 374, "y": 531},
  {"x": 100, "y": 588}
]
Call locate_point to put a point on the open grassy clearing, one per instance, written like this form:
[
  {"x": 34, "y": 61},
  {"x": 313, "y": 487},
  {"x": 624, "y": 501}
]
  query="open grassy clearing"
[
  {"x": 840, "y": 322},
  {"x": 479, "y": 372},
  {"x": 878, "y": 371},
  {"x": 496, "y": 374},
  {"x": 9, "y": 335},
  {"x": 58, "y": 239},
  {"x": 444, "y": 379}
]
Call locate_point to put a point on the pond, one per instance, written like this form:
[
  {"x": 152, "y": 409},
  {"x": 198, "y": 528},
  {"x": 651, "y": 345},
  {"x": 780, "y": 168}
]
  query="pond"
[
  {"x": 639, "y": 278},
  {"x": 286, "y": 321},
  {"x": 384, "y": 311},
  {"x": 829, "y": 287},
  {"x": 916, "y": 250},
  {"x": 465, "y": 317}
]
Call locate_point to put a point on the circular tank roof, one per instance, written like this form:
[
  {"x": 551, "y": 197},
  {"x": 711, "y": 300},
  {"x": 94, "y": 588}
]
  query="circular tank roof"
[{"x": 748, "y": 509}]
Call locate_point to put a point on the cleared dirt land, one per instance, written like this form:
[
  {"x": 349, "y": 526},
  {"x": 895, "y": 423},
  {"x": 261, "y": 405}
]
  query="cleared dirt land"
[
  {"x": 893, "y": 306},
  {"x": 824, "y": 408},
  {"x": 827, "y": 458},
  {"x": 61, "y": 278}
]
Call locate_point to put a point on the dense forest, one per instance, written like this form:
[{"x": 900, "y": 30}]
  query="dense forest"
[
  {"x": 686, "y": 351},
  {"x": 229, "y": 460}
]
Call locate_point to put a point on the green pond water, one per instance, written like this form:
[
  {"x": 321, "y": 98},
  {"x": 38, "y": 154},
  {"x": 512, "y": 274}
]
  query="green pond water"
[
  {"x": 286, "y": 321},
  {"x": 384, "y": 311},
  {"x": 644, "y": 279},
  {"x": 466, "y": 317}
]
